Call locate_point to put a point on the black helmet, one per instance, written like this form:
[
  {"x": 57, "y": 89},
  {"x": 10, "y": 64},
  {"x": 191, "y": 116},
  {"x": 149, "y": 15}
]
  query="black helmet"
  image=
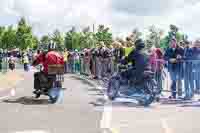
[
  {"x": 51, "y": 46},
  {"x": 139, "y": 44}
]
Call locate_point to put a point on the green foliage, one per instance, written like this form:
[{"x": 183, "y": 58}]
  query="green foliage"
[
  {"x": 58, "y": 39},
  {"x": 154, "y": 37},
  {"x": 2, "y": 31},
  {"x": 8, "y": 38},
  {"x": 104, "y": 35},
  {"x": 24, "y": 35}
]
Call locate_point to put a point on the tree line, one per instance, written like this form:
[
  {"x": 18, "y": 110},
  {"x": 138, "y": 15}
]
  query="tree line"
[{"x": 22, "y": 37}]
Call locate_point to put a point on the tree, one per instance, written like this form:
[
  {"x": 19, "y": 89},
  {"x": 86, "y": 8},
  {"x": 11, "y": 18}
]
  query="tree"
[
  {"x": 58, "y": 39},
  {"x": 154, "y": 37},
  {"x": 44, "y": 41},
  {"x": 8, "y": 39},
  {"x": 2, "y": 31},
  {"x": 68, "y": 40},
  {"x": 104, "y": 35},
  {"x": 35, "y": 43},
  {"x": 173, "y": 33},
  {"x": 25, "y": 38}
]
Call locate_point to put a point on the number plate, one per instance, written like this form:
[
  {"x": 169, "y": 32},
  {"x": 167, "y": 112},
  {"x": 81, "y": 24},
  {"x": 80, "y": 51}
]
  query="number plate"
[{"x": 60, "y": 78}]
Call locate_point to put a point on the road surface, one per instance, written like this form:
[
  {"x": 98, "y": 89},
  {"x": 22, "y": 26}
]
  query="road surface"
[
  {"x": 86, "y": 110},
  {"x": 23, "y": 114}
]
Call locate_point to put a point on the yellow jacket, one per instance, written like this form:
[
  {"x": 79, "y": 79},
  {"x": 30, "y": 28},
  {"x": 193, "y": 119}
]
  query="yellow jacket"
[
  {"x": 26, "y": 60},
  {"x": 128, "y": 50},
  {"x": 65, "y": 55}
]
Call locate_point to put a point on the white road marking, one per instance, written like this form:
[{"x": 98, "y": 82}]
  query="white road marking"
[
  {"x": 107, "y": 116},
  {"x": 32, "y": 131},
  {"x": 4, "y": 97},
  {"x": 165, "y": 126}
]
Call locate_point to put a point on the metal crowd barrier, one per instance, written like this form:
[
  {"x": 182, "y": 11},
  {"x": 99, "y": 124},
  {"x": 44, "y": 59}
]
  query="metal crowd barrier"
[{"x": 189, "y": 73}]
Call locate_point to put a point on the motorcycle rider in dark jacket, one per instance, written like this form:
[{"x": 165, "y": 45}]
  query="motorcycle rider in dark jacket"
[{"x": 139, "y": 60}]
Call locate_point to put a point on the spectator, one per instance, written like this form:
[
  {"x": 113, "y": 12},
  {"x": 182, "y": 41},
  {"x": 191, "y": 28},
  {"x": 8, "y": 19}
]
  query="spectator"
[
  {"x": 196, "y": 70},
  {"x": 87, "y": 62},
  {"x": 118, "y": 53},
  {"x": 65, "y": 55},
  {"x": 76, "y": 61},
  {"x": 188, "y": 75},
  {"x": 26, "y": 62},
  {"x": 173, "y": 55},
  {"x": 157, "y": 61}
]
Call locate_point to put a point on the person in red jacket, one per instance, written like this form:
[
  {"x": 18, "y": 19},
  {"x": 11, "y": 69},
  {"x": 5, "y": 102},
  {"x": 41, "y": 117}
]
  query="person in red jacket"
[{"x": 46, "y": 58}]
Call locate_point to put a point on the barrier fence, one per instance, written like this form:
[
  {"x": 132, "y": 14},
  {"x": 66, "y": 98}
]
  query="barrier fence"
[{"x": 186, "y": 75}]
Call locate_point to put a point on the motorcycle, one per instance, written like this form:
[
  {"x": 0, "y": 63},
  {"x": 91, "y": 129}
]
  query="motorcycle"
[
  {"x": 52, "y": 87},
  {"x": 144, "y": 91}
]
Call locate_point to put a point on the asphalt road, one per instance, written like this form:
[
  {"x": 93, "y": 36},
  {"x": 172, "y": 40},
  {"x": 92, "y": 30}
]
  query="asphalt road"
[
  {"x": 86, "y": 110},
  {"x": 24, "y": 114}
]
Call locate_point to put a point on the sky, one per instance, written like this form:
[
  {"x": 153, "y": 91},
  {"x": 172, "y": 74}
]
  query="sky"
[{"x": 122, "y": 16}]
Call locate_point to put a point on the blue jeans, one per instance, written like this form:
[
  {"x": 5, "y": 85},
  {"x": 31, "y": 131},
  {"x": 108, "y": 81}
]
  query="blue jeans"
[
  {"x": 175, "y": 76},
  {"x": 66, "y": 66},
  {"x": 188, "y": 80},
  {"x": 196, "y": 72}
]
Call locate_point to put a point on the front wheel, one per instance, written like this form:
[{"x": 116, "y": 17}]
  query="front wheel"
[
  {"x": 113, "y": 88},
  {"x": 149, "y": 91},
  {"x": 146, "y": 102}
]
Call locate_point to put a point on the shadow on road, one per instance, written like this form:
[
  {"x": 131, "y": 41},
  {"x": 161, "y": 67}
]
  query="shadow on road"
[
  {"x": 103, "y": 102},
  {"x": 195, "y": 104},
  {"x": 82, "y": 80},
  {"x": 167, "y": 101},
  {"x": 28, "y": 101}
]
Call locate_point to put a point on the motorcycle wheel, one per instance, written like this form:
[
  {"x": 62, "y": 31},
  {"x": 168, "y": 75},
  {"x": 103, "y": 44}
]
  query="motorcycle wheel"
[
  {"x": 53, "y": 99},
  {"x": 54, "y": 95},
  {"x": 147, "y": 102},
  {"x": 149, "y": 92},
  {"x": 113, "y": 87}
]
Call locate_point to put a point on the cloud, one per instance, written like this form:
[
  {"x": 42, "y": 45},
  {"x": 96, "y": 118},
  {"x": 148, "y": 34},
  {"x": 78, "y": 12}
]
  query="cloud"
[{"x": 121, "y": 15}]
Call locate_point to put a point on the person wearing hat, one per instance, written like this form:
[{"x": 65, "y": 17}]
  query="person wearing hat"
[{"x": 174, "y": 55}]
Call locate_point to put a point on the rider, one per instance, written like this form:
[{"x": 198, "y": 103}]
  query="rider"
[
  {"x": 50, "y": 57},
  {"x": 139, "y": 62}
]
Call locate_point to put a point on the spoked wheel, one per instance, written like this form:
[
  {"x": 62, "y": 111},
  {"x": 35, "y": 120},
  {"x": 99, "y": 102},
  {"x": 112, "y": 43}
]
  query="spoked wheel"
[
  {"x": 147, "y": 101},
  {"x": 150, "y": 95},
  {"x": 113, "y": 88}
]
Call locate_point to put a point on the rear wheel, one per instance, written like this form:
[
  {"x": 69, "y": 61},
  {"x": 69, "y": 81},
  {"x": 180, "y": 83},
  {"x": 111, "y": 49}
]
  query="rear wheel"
[{"x": 55, "y": 92}]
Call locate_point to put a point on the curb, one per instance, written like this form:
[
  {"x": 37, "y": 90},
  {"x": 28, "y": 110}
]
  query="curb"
[{"x": 96, "y": 85}]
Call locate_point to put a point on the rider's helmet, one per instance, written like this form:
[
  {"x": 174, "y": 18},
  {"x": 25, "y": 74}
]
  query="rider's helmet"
[
  {"x": 139, "y": 44},
  {"x": 51, "y": 46}
]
